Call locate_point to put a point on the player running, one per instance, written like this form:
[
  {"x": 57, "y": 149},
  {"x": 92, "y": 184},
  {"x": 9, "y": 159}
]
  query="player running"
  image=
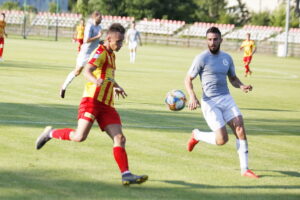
[
  {"x": 2, "y": 34},
  {"x": 218, "y": 107},
  {"x": 92, "y": 34},
  {"x": 249, "y": 49},
  {"x": 79, "y": 33},
  {"x": 132, "y": 38},
  {"x": 97, "y": 104}
]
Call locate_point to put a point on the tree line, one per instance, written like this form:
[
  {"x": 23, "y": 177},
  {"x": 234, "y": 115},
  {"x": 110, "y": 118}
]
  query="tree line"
[{"x": 212, "y": 11}]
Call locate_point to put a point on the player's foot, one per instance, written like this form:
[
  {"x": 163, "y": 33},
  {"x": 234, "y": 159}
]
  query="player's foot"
[
  {"x": 62, "y": 93},
  {"x": 250, "y": 174},
  {"x": 1, "y": 60},
  {"x": 43, "y": 138},
  {"x": 192, "y": 142},
  {"x": 130, "y": 178}
]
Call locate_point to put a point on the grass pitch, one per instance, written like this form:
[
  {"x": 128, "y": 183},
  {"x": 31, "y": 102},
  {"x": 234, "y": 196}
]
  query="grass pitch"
[{"x": 31, "y": 77}]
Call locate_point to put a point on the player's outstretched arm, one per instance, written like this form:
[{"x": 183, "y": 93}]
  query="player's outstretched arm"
[
  {"x": 193, "y": 100},
  {"x": 235, "y": 81}
]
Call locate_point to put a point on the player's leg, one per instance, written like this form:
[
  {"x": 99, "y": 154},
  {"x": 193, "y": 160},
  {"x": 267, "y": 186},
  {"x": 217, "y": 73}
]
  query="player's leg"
[
  {"x": 248, "y": 64},
  {"x": 78, "y": 135},
  {"x": 237, "y": 126},
  {"x": 214, "y": 119},
  {"x": 69, "y": 79},
  {"x": 120, "y": 155},
  {"x": 245, "y": 60},
  {"x": 134, "y": 53},
  {"x": 80, "y": 42},
  {"x": 234, "y": 119},
  {"x": 1, "y": 47},
  {"x": 131, "y": 55},
  {"x": 80, "y": 63}
]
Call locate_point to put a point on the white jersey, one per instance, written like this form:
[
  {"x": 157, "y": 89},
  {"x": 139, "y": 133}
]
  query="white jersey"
[
  {"x": 91, "y": 30},
  {"x": 133, "y": 35}
]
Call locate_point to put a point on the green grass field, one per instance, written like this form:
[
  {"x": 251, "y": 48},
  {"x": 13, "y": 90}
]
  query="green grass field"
[{"x": 31, "y": 77}]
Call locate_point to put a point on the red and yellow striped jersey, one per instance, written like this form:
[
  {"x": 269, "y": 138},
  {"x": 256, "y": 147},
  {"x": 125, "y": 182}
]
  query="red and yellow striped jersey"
[
  {"x": 248, "y": 46},
  {"x": 2, "y": 28},
  {"x": 80, "y": 32},
  {"x": 104, "y": 62}
]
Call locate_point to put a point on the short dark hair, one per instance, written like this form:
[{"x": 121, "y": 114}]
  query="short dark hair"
[
  {"x": 3, "y": 14},
  {"x": 96, "y": 14},
  {"x": 215, "y": 30},
  {"x": 116, "y": 28}
]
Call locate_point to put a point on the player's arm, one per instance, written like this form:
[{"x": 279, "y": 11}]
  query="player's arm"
[
  {"x": 88, "y": 74},
  {"x": 87, "y": 34},
  {"x": 254, "y": 49},
  {"x": 241, "y": 47},
  {"x": 127, "y": 37},
  {"x": 5, "y": 32},
  {"x": 193, "y": 100},
  {"x": 236, "y": 82},
  {"x": 140, "y": 40},
  {"x": 95, "y": 37},
  {"x": 91, "y": 39}
]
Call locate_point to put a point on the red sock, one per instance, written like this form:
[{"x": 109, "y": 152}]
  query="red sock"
[
  {"x": 62, "y": 134},
  {"x": 247, "y": 68},
  {"x": 121, "y": 158},
  {"x": 1, "y": 52}
]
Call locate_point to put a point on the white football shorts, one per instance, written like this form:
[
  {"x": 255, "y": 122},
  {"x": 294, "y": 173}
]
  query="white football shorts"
[
  {"x": 219, "y": 110},
  {"x": 132, "y": 45},
  {"x": 82, "y": 59}
]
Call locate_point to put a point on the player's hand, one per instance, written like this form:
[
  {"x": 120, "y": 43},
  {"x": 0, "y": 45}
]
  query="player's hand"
[
  {"x": 120, "y": 91},
  {"x": 99, "y": 82},
  {"x": 193, "y": 103},
  {"x": 246, "y": 88}
]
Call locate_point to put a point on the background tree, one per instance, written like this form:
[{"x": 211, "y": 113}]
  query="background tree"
[
  {"x": 240, "y": 13},
  {"x": 9, "y": 5},
  {"x": 53, "y": 7},
  {"x": 72, "y": 5},
  {"x": 82, "y": 7},
  {"x": 108, "y": 7},
  {"x": 261, "y": 18}
]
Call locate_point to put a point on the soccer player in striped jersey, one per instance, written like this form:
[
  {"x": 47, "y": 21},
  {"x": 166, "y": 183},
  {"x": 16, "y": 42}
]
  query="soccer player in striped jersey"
[
  {"x": 92, "y": 35},
  {"x": 79, "y": 34},
  {"x": 97, "y": 104},
  {"x": 249, "y": 49},
  {"x": 2, "y": 33}
]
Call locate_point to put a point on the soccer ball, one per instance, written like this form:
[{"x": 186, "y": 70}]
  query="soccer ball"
[{"x": 175, "y": 100}]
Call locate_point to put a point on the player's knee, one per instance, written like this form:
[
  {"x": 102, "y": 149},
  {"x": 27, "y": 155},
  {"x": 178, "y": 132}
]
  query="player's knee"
[
  {"x": 222, "y": 140},
  {"x": 120, "y": 139},
  {"x": 79, "y": 138},
  {"x": 77, "y": 72},
  {"x": 240, "y": 132}
]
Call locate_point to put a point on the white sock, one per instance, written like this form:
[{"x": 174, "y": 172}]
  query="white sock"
[
  {"x": 242, "y": 150},
  {"x": 208, "y": 137},
  {"x": 126, "y": 172},
  {"x": 133, "y": 56},
  {"x": 68, "y": 80}
]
